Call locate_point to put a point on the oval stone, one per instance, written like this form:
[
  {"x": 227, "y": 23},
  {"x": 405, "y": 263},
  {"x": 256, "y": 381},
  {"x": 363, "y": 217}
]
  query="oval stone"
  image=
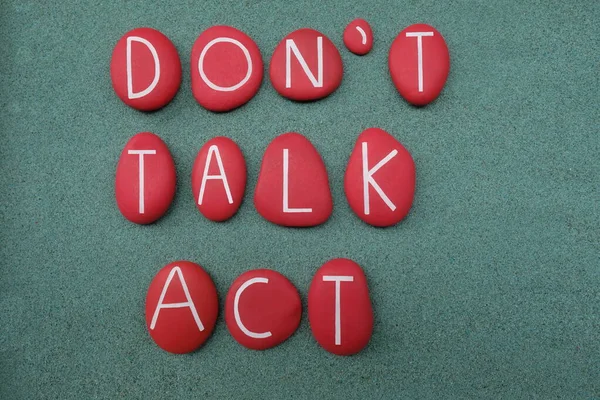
[
  {"x": 305, "y": 66},
  {"x": 419, "y": 63},
  {"x": 226, "y": 67},
  {"x": 219, "y": 178},
  {"x": 293, "y": 187},
  {"x": 358, "y": 37},
  {"x": 145, "y": 179},
  {"x": 262, "y": 309},
  {"x": 181, "y": 307},
  {"x": 145, "y": 69},
  {"x": 380, "y": 178},
  {"x": 339, "y": 307}
]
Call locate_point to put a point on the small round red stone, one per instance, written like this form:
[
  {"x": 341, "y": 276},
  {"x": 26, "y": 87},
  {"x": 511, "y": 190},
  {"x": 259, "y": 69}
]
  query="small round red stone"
[
  {"x": 358, "y": 37},
  {"x": 226, "y": 68},
  {"x": 181, "y": 307},
  {"x": 262, "y": 309},
  {"x": 145, "y": 69}
]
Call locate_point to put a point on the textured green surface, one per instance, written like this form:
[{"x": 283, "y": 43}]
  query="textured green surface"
[{"x": 489, "y": 289}]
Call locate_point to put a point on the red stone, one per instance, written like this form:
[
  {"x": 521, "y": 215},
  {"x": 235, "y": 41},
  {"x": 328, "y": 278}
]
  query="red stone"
[
  {"x": 157, "y": 177},
  {"x": 220, "y": 164},
  {"x": 188, "y": 310},
  {"x": 339, "y": 307},
  {"x": 307, "y": 200},
  {"x": 268, "y": 309},
  {"x": 404, "y": 64},
  {"x": 227, "y": 68},
  {"x": 305, "y": 83},
  {"x": 395, "y": 178},
  {"x": 155, "y": 72},
  {"x": 358, "y": 37}
]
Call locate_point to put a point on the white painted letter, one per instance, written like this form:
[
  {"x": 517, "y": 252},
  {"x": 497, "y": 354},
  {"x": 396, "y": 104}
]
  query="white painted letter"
[
  {"x": 290, "y": 46},
  {"x": 189, "y": 303},
  {"x": 368, "y": 178},
  {"x": 150, "y": 88},
  {"x": 221, "y": 176},
  {"x": 338, "y": 322},
  {"x": 363, "y": 34},
  {"x": 236, "y": 310},
  {"x": 286, "y": 208},
  {"x": 141, "y": 154},
  {"x": 201, "y": 65},
  {"x": 419, "y": 36}
]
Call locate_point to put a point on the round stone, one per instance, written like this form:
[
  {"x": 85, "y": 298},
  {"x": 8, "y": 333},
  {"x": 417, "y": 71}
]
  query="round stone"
[
  {"x": 219, "y": 179},
  {"x": 339, "y": 307},
  {"x": 226, "y": 67},
  {"x": 145, "y": 179},
  {"x": 293, "y": 187},
  {"x": 145, "y": 69},
  {"x": 358, "y": 37},
  {"x": 181, "y": 307},
  {"x": 419, "y": 63},
  {"x": 306, "y": 66},
  {"x": 262, "y": 309},
  {"x": 380, "y": 178}
]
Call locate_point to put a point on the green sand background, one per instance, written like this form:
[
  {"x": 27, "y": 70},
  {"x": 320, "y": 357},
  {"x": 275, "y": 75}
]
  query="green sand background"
[{"x": 489, "y": 289}]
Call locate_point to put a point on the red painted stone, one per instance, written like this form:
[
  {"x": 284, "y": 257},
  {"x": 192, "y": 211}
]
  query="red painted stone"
[
  {"x": 304, "y": 81},
  {"x": 339, "y": 307},
  {"x": 358, "y": 37},
  {"x": 227, "y": 68},
  {"x": 404, "y": 64},
  {"x": 296, "y": 192},
  {"x": 219, "y": 179},
  {"x": 145, "y": 163},
  {"x": 262, "y": 309},
  {"x": 154, "y": 73},
  {"x": 390, "y": 178},
  {"x": 181, "y": 307}
]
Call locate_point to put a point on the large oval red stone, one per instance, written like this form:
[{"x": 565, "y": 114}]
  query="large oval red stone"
[
  {"x": 226, "y": 67},
  {"x": 380, "y": 178},
  {"x": 219, "y": 178},
  {"x": 145, "y": 69},
  {"x": 358, "y": 37},
  {"x": 145, "y": 179},
  {"x": 306, "y": 65},
  {"x": 181, "y": 307},
  {"x": 339, "y": 307},
  {"x": 419, "y": 63},
  {"x": 293, "y": 187},
  {"x": 262, "y": 309}
]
